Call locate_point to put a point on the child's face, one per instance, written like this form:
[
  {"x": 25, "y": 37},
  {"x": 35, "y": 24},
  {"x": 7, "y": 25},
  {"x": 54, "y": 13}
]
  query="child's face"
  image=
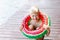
[{"x": 34, "y": 16}]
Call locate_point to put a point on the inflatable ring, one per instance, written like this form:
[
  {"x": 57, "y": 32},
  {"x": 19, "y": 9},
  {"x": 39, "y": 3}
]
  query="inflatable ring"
[{"x": 36, "y": 33}]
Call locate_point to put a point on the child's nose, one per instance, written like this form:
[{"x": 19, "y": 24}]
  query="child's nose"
[{"x": 35, "y": 17}]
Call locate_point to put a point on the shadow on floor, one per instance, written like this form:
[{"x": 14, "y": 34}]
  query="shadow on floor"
[{"x": 47, "y": 39}]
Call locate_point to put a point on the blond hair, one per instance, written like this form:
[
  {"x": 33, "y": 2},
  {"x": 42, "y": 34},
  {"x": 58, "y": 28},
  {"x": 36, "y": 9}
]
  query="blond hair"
[{"x": 34, "y": 10}]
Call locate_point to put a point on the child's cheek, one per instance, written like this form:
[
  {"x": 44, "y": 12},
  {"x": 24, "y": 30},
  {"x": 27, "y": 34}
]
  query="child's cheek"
[
  {"x": 34, "y": 18},
  {"x": 37, "y": 17}
]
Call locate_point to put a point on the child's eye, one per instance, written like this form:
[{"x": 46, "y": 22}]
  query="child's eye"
[{"x": 34, "y": 15}]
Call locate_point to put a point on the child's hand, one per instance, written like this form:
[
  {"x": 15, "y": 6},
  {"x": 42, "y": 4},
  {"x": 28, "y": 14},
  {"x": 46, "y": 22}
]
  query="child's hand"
[
  {"x": 31, "y": 27},
  {"x": 21, "y": 27},
  {"x": 47, "y": 28}
]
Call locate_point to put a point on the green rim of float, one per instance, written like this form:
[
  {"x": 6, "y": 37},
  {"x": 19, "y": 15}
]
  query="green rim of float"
[
  {"x": 35, "y": 36},
  {"x": 49, "y": 21}
]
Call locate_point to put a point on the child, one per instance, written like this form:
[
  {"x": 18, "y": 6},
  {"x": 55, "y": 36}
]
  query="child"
[{"x": 36, "y": 22}]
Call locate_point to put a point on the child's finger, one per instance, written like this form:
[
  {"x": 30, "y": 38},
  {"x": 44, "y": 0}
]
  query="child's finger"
[{"x": 45, "y": 26}]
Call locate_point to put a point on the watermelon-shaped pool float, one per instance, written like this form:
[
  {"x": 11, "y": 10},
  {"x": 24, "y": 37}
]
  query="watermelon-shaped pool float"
[{"x": 36, "y": 33}]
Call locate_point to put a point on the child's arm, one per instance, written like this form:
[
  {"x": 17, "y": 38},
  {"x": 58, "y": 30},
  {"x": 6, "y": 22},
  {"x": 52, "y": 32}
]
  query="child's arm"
[{"x": 47, "y": 28}]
